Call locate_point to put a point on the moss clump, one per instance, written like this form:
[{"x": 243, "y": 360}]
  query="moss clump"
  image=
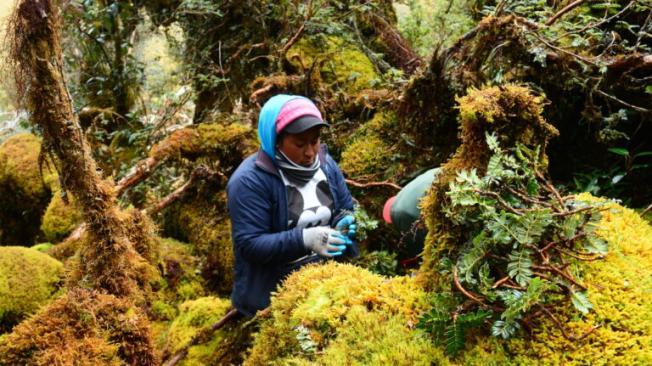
[
  {"x": 226, "y": 141},
  {"x": 619, "y": 288},
  {"x": 24, "y": 193},
  {"x": 60, "y": 218},
  {"x": 179, "y": 269},
  {"x": 200, "y": 219},
  {"x": 366, "y": 157},
  {"x": 42, "y": 247},
  {"x": 28, "y": 279},
  {"x": 195, "y": 316},
  {"x": 82, "y": 328},
  {"x": 514, "y": 114},
  {"x": 341, "y": 64},
  {"x": 335, "y": 314}
]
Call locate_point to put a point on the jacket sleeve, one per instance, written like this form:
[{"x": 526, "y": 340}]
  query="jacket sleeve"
[
  {"x": 251, "y": 210},
  {"x": 345, "y": 200}
]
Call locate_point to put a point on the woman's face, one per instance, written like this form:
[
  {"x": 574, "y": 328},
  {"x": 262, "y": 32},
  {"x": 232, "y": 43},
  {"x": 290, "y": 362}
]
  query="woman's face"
[{"x": 301, "y": 148}]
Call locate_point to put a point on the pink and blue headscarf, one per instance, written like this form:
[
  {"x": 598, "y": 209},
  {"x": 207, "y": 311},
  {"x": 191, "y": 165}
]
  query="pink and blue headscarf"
[{"x": 277, "y": 113}]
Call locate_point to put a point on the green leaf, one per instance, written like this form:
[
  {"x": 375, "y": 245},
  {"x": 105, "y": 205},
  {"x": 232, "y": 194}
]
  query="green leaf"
[
  {"x": 455, "y": 338},
  {"x": 519, "y": 266},
  {"x": 581, "y": 302},
  {"x": 619, "y": 151},
  {"x": 504, "y": 329},
  {"x": 593, "y": 244}
]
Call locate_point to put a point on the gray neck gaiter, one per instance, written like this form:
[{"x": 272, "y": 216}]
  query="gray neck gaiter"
[{"x": 295, "y": 173}]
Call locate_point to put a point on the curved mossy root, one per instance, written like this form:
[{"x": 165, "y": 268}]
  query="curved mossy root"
[
  {"x": 619, "y": 288},
  {"x": 83, "y": 327},
  {"x": 514, "y": 114},
  {"x": 339, "y": 314},
  {"x": 28, "y": 279}
]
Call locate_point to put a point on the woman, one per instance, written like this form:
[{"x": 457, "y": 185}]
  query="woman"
[{"x": 283, "y": 201}]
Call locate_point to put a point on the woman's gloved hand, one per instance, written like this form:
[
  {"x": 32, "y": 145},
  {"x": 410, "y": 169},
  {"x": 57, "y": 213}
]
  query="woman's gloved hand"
[
  {"x": 325, "y": 241},
  {"x": 347, "y": 226}
]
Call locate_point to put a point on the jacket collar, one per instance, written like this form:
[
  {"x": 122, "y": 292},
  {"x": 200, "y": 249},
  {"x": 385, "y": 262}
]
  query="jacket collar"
[{"x": 264, "y": 162}]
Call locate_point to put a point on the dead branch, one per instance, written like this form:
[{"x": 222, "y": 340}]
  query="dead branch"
[
  {"x": 373, "y": 184},
  {"x": 646, "y": 210},
  {"x": 563, "y": 11},
  {"x": 200, "y": 173},
  {"x": 254, "y": 96}
]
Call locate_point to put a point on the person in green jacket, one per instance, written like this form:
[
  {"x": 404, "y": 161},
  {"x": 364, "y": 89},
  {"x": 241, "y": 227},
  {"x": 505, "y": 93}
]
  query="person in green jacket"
[{"x": 403, "y": 212}]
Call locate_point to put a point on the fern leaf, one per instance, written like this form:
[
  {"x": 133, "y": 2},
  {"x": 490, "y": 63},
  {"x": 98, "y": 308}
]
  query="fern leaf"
[
  {"x": 455, "y": 338},
  {"x": 519, "y": 266}
]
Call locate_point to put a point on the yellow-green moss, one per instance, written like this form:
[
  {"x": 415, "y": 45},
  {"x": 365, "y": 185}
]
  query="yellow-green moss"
[
  {"x": 368, "y": 152},
  {"x": 194, "y": 316},
  {"x": 24, "y": 194},
  {"x": 206, "y": 139},
  {"x": 28, "y": 279},
  {"x": 181, "y": 281},
  {"x": 60, "y": 218},
  {"x": 209, "y": 232},
  {"x": 340, "y": 63},
  {"x": 347, "y": 315},
  {"x": 366, "y": 157},
  {"x": 42, "y": 247},
  {"x": 619, "y": 288},
  {"x": 19, "y": 165}
]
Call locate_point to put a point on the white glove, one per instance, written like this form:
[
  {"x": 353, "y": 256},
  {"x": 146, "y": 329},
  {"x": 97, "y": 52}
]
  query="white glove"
[{"x": 324, "y": 241}]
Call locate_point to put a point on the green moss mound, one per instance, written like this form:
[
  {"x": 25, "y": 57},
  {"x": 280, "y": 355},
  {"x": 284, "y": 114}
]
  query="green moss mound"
[
  {"x": 619, "y": 288},
  {"x": 340, "y": 63},
  {"x": 338, "y": 314},
  {"x": 201, "y": 221},
  {"x": 60, "y": 218},
  {"x": 182, "y": 282},
  {"x": 24, "y": 194},
  {"x": 28, "y": 279},
  {"x": 195, "y": 316},
  {"x": 81, "y": 328}
]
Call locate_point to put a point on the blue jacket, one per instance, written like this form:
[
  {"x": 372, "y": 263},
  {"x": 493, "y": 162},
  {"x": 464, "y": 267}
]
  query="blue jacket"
[{"x": 262, "y": 244}]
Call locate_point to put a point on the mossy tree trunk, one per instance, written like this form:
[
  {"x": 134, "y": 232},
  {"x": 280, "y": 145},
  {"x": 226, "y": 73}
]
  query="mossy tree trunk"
[{"x": 108, "y": 261}]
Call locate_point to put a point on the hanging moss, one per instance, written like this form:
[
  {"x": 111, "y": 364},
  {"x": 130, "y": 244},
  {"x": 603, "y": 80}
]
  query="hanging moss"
[
  {"x": 24, "y": 193},
  {"x": 619, "y": 289},
  {"x": 60, "y": 218},
  {"x": 336, "y": 314},
  {"x": 340, "y": 63},
  {"x": 28, "y": 279},
  {"x": 82, "y": 328}
]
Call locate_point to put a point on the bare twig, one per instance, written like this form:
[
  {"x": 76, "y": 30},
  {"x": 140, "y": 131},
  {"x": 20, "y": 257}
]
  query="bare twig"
[
  {"x": 293, "y": 40},
  {"x": 563, "y": 11},
  {"x": 629, "y": 105},
  {"x": 463, "y": 290},
  {"x": 201, "y": 172},
  {"x": 254, "y": 96},
  {"x": 373, "y": 184},
  {"x": 646, "y": 210},
  {"x": 500, "y": 200},
  {"x": 561, "y": 273}
]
